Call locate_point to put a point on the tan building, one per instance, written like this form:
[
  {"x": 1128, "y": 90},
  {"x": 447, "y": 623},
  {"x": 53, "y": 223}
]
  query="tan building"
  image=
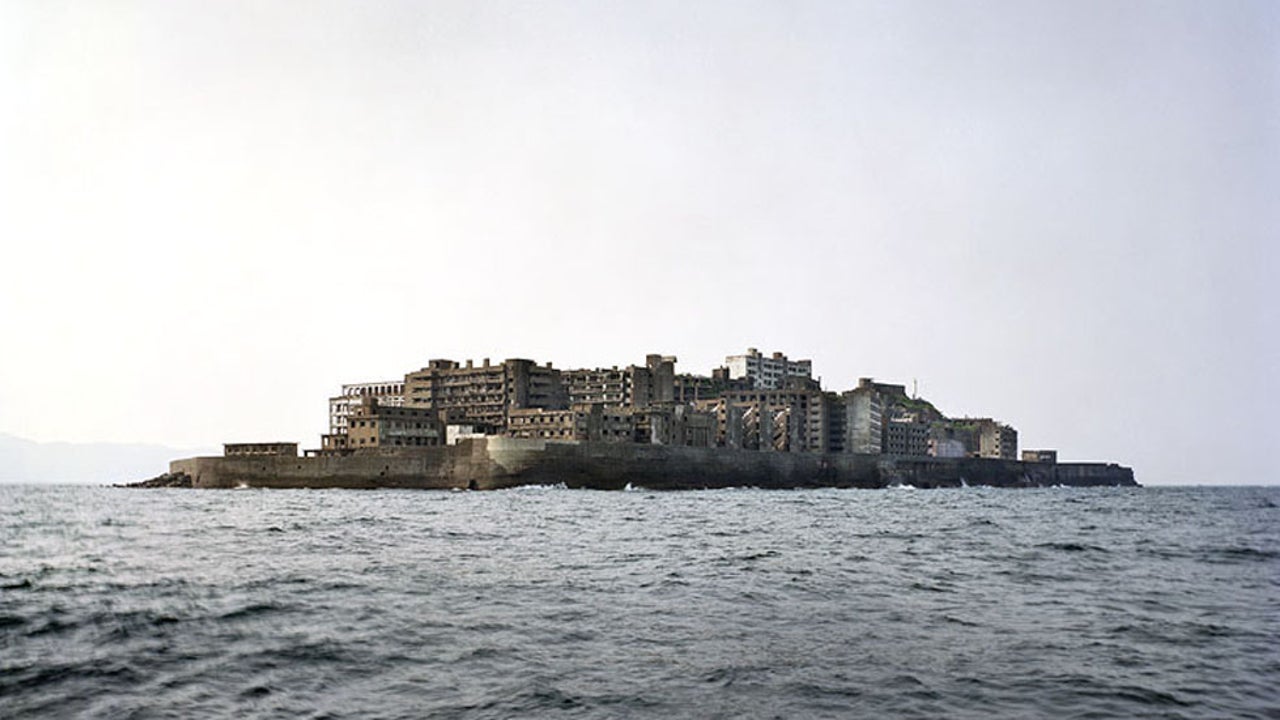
[
  {"x": 632, "y": 387},
  {"x": 691, "y": 389},
  {"x": 387, "y": 393},
  {"x": 680, "y": 425},
  {"x": 275, "y": 449},
  {"x": 374, "y": 426},
  {"x": 1040, "y": 456},
  {"x": 483, "y": 395},
  {"x": 994, "y": 439},
  {"x": 612, "y": 387},
  {"x": 548, "y": 424},
  {"x": 796, "y": 417},
  {"x": 582, "y": 422}
]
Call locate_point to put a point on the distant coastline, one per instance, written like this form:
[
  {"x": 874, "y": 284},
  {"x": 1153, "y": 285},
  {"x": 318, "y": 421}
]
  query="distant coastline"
[{"x": 25, "y": 461}]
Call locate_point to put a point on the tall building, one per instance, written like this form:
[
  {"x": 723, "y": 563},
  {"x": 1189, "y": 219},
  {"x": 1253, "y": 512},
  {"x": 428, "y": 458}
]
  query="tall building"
[
  {"x": 905, "y": 436},
  {"x": 372, "y": 425},
  {"x": 662, "y": 378},
  {"x": 766, "y": 372},
  {"x": 482, "y": 395},
  {"x": 796, "y": 417},
  {"x": 696, "y": 388},
  {"x": 865, "y": 409},
  {"x": 609, "y": 387},
  {"x": 633, "y": 386},
  {"x": 997, "y": 440},
  {"x": 388, "y": 393}
]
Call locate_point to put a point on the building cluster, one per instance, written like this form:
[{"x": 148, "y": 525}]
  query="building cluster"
[{"x": 754, "y": 402}]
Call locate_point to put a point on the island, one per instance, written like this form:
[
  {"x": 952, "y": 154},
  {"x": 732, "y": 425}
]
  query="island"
[{"x": 758, "y": 421}]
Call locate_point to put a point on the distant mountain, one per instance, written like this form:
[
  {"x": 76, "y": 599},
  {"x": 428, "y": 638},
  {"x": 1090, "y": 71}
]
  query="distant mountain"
[{"x": 25, "y": 461}]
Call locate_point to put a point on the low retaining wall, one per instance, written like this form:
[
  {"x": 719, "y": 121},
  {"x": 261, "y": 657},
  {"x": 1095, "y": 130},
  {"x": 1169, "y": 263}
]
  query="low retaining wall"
[{"x": 491, "y": 463}]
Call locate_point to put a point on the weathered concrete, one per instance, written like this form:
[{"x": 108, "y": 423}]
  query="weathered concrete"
[{"x": 492, "y": 463}]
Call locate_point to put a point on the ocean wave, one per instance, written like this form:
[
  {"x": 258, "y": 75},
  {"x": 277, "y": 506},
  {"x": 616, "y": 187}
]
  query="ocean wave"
[{"x": 533, "y": 602}]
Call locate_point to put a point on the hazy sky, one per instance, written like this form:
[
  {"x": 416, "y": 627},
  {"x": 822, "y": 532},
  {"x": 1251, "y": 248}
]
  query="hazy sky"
[{"x": 1064, "y": 215}]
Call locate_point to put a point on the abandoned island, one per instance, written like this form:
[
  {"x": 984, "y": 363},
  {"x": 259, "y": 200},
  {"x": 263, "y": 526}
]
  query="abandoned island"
[{"x": 760, "y": 421}]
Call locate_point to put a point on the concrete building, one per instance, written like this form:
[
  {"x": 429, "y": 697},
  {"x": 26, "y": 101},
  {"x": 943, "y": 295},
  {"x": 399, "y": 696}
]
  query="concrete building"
[
  {"x": 482, "y": 395},
  {"x": 754, "y": 402},
  {"x": 633, "y": 386},
  {"x": 374, "y": 426},
  {"x": 662, "y": 378},
  {"x": 668, "y": 424},
  {"x": 882, "y": 418},
  {"x": 573, "y": 424},
  {"x": 690, "y": 389},
  {"x": 865, "y": 408},
  {"x": 272, "y": 449},
  {"x": 797, "y": 416},
  {"x": 953, "y": 439},
  {"x": 454, "y": 434},
  {"x": 389, "y": 393},
  {"x": 1040, "y": 456},
  {"x": 994, "y": 439},
  {"x": 612, "y": 387},
  {"x": 905, "y": 436},
  {"x": 583, "y": 422},
  {"x": 766, "y": 372},
  {"x": 947, "y": 448},
  {"x": 664, "y": 424}
]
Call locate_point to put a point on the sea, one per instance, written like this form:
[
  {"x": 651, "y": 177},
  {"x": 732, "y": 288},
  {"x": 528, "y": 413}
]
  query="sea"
[{"x": 546, "y": 602}]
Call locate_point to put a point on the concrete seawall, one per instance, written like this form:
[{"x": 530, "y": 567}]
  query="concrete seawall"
[{"x": 492, "y": 463}]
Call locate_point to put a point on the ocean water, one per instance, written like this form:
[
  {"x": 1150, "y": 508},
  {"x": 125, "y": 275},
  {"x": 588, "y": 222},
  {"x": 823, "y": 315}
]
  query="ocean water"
[{"x": 546, "y": 602}]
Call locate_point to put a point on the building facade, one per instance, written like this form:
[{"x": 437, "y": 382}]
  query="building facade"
[
  {"x": 1040, "y": 456},
  {"x": 374, "y": 426},
  {"x": 766, "y": 372},
  {"x": 754, "y": 402},
  {"x": 275, "y": 449},
  {"x": 995, "y": 439},
  {"x": 482, "y": 395},
  {"x": 389, "y": 393},
  {"x": 864, "y": 408},
  {"x": 797, "y": 416},
  {"x": 634, "y": 386},
  {"x": 905, "y": 436}
]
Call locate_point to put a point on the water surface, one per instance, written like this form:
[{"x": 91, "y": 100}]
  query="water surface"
[{"x": 544, "y": 602}]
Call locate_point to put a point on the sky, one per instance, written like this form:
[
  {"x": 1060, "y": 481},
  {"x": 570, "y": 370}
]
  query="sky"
[{"x": 1065, "y": 215}]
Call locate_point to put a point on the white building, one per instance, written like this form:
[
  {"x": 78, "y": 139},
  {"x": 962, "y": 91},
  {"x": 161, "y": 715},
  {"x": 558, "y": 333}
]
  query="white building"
[
  {"x": 766, "y": 372},
  {"x": 388, "y": 393},
  {"x": 947, "y": 448},
  {"x": 456, "y": 433}
]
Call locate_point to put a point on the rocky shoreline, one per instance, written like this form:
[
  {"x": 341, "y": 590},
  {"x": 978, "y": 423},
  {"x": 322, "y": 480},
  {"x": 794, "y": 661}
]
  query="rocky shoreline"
[{"x": 165, "y": 480}]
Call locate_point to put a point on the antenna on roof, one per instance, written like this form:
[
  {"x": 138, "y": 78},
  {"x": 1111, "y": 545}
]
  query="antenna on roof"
[{"x": 915, "y": 389}]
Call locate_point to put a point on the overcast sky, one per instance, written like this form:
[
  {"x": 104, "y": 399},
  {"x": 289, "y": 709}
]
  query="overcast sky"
[{"x": 1065, "y": 215}]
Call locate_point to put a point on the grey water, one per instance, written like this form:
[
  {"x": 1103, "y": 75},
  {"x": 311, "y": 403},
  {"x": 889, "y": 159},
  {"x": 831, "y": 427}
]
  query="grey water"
[{"x": 547, "y": 602}]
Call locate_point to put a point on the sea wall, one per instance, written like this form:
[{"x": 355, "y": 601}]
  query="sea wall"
[
  {"x": 424, "y": 468},
  {"x": 492, "y": 463}
]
